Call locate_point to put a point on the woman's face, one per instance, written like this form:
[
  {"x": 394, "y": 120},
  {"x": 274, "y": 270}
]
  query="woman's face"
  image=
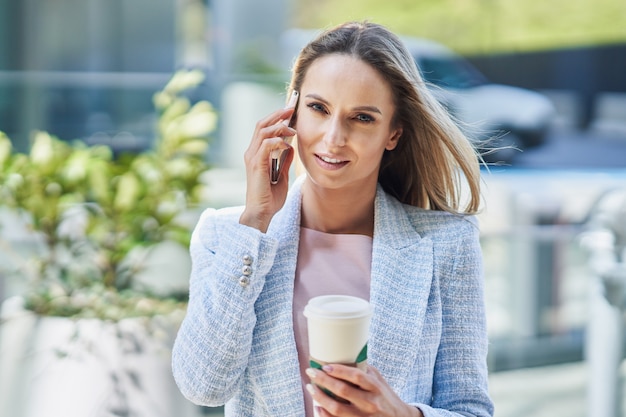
[{"x": 344, "y": 122}]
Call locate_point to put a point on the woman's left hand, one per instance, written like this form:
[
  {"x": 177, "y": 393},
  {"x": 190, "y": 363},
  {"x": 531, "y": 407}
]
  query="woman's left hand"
[{"x": 368, "y": 393}]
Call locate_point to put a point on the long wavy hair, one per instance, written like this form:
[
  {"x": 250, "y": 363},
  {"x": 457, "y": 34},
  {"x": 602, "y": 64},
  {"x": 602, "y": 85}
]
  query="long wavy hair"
[{"x": 434, "y": 160}]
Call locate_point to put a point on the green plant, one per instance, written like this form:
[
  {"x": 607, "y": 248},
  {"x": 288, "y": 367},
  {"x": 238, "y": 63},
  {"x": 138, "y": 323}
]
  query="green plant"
[{"x": 97, "y": 215}]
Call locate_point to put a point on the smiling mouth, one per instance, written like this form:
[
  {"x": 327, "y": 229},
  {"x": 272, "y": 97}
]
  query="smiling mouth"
[
  {"x": 330, "y": 163},
  {"x": 330, "y": 160}
]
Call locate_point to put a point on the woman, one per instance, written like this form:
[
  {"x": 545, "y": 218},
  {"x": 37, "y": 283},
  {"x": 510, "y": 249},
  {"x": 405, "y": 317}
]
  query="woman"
[{"x": 377, "y": 214}]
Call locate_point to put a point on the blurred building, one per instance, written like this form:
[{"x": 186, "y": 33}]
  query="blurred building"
[{"x": 87, "y": 69}]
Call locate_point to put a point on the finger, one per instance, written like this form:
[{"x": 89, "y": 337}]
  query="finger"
[
  {"x": 261, "y": 156},
  {"x": 272, "y": 144},
  {"x": 278, "y": 129},
  {"x": 326, "y": 405},
  {"x": 273, "y": 134},
  {"x": 353, "y": 375},
  {"x": 349, "y": 383},
  {"x": 339, "y": 390},
  {"x": 275, "y": 118}
]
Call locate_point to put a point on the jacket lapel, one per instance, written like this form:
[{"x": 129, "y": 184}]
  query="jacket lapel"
[{"x": 402, "y": 270}]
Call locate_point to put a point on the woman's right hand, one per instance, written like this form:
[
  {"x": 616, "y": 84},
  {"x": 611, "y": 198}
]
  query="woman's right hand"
[{"x": 264, "y": 199}]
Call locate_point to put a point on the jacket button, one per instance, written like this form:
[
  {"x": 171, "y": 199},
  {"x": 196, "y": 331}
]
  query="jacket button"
[
  {"x": 244, "y": 281},
  {"x": 247, "y": 260},
  {"x": 247, "y": 270}
]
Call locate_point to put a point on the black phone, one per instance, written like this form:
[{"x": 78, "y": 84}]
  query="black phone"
[{"x": 279, "y": 157}]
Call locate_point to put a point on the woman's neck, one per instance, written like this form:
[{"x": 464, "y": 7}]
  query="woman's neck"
[{"x": 338, "y": 211}]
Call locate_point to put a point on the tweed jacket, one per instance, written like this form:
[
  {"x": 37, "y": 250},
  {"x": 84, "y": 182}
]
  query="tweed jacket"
[{"x": 428, "y": 335}]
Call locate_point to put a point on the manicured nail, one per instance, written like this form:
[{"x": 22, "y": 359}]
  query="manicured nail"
[
  {"x": 312, "y": 373},
  {"x": 310, "y": 388},
  {"x": 327, "y": 368}
]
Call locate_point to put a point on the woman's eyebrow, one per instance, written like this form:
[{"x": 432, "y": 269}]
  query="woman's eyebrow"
[
  {"x": 372, "y": 109},
  {"x": 316, "y": 97}
]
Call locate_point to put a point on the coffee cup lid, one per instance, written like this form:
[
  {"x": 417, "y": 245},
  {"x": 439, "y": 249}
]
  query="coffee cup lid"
[{"x": 337, "y": 307}]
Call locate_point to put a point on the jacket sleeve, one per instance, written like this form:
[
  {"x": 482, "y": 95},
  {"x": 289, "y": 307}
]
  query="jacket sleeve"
[
  {"x": 460, "y": 384},
  {"x": 229, "y": 265}
]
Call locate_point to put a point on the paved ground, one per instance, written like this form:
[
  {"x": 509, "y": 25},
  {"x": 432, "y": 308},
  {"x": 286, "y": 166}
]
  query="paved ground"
[
  {"x": 554, "y": 391},
  {"x": 551, "y": 391}
]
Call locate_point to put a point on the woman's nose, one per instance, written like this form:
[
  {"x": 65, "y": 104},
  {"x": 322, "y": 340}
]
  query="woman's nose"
[{"x": 335, "y": 135}]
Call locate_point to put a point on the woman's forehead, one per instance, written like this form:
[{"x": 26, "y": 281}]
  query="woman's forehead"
[{"x": 341, "y": 74}]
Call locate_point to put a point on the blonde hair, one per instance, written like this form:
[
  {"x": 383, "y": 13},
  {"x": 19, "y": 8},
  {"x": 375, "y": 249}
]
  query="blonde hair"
[{"x": 433, "y": 158}]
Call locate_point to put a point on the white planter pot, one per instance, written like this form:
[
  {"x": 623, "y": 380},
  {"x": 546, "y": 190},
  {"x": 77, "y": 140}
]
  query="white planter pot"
[{"x": 59, "y": 367}]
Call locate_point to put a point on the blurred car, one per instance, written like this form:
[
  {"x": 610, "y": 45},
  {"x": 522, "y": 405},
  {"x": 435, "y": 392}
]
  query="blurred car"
[
  {"x": 508, "y": 116},
  {"x": 517, "y": 116}
]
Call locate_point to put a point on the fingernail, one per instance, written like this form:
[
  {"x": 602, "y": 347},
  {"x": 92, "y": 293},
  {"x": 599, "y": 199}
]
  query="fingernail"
[
  {"x": 312, "y": 373},
  {"x": 310, "y": 388},
  {"x": 327, "y": 368}
]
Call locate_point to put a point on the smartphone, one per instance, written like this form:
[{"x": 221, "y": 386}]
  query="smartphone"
[{"x": 278, "y": 156}]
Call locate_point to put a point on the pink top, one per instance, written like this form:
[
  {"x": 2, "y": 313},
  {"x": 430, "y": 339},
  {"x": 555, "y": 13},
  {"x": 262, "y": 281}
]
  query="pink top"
[{"x": 327, "y": 264}]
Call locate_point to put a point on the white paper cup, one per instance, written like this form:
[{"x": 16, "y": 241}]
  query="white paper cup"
[{"x": 338, "y": 328}]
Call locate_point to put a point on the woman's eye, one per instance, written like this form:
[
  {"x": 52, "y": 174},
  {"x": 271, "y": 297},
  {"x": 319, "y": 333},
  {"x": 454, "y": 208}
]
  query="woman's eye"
[
  {"x": 364, "y": 118},
  {"x": 316, "y": 107}
]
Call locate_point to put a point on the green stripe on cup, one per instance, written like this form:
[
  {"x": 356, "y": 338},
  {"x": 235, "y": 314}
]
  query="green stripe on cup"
[{"x": 362, "y": 357}]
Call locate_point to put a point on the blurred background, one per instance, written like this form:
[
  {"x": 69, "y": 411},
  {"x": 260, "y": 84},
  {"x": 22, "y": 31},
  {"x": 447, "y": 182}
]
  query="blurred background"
[{"x": 548, "y": 78}]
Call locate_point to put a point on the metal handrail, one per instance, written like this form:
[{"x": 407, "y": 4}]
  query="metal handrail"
[{"x": 605, "y": 239}]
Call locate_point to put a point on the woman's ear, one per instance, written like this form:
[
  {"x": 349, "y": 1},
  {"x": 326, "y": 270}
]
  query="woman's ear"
[{"x": 393, "y": 139}]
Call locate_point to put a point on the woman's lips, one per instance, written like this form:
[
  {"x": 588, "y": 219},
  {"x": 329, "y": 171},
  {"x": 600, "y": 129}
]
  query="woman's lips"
[{"x": 329, "y": 162}]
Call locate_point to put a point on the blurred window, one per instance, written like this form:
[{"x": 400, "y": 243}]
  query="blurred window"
[{"x": 88, "y": 69}]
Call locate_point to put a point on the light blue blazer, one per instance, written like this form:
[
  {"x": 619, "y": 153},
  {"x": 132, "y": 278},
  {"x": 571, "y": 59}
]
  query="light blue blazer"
[{"x": 428, "y": 333}]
